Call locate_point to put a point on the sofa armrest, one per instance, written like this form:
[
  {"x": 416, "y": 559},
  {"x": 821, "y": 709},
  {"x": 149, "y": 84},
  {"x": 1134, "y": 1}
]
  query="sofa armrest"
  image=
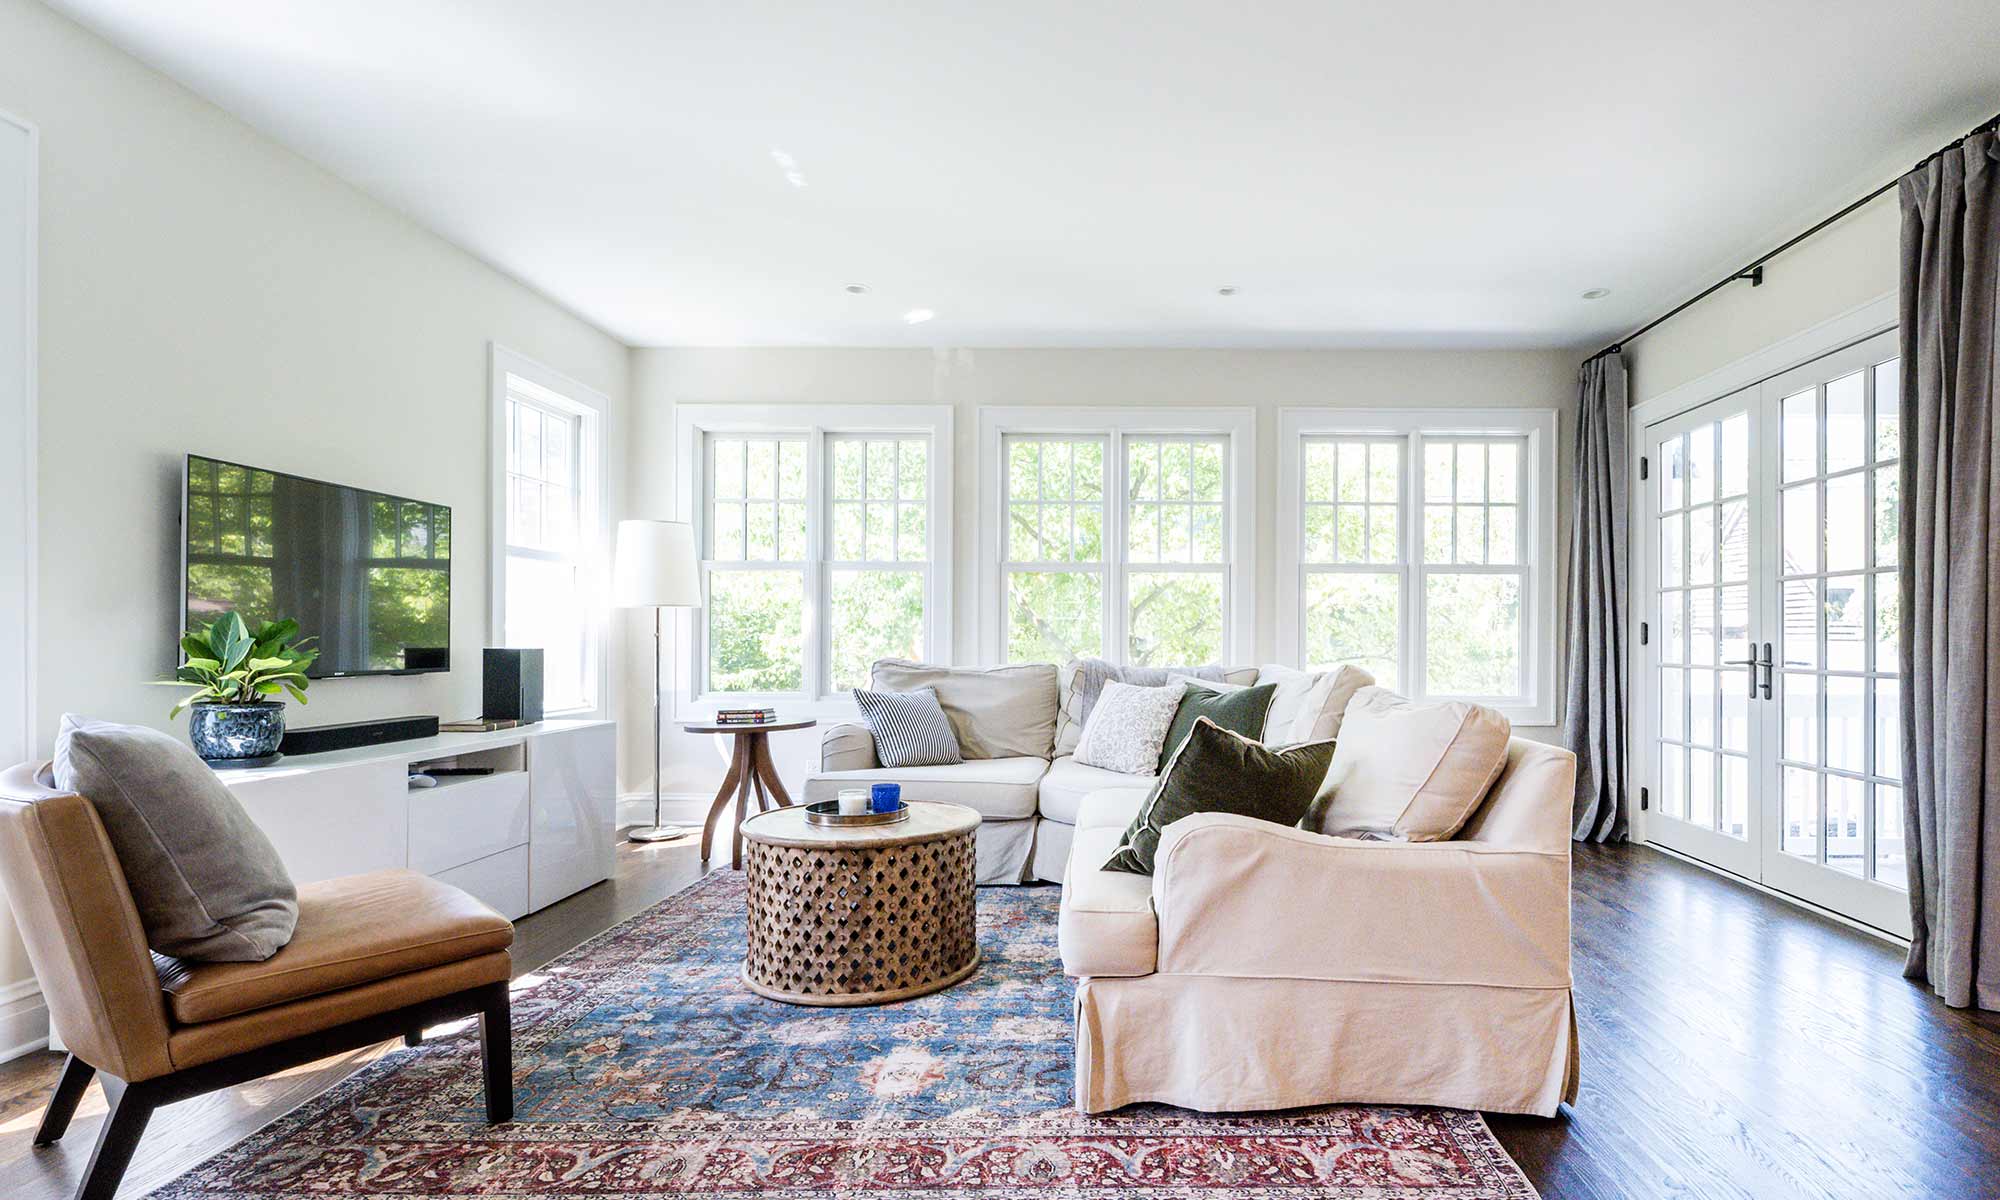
[
  {"x": 1242, "y": 897},
  {"x": 847, "y": 746}
]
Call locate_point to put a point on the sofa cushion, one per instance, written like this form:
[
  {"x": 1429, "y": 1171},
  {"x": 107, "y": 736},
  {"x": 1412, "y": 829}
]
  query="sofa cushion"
[
  {"x": 999, "y": 789},
  {"x": 206, "y": 881},
  {"x": 1239, "y": 710},
  {"x": 1082, "y": 680},
  {"x": 1407, "y": 770},
  {"x": 1220, "y": 771},
  {"x": 996, "y": 712},
  {"x": 1309, "y": 704},
  {"x": 352, "y": 931},
  {"x": 1106, "y": 925},
  {"x": 1127, "y": 726},
  {"x": 1069, "y": 781},
  {"x": 910, "y": 729},
  {"x": 1111, "y": 808}
]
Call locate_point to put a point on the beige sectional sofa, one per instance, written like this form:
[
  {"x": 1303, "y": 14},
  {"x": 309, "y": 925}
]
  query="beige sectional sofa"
[{"x": 1027, "y": 802}]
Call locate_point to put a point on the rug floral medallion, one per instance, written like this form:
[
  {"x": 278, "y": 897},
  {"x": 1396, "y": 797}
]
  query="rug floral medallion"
[{"x": 644, "y": 1068}]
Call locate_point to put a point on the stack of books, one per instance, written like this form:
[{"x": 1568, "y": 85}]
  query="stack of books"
[{"x": 745, "y": 716}]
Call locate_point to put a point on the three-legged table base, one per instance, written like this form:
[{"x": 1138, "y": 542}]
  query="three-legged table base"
[{"x": 750, "y": 771}]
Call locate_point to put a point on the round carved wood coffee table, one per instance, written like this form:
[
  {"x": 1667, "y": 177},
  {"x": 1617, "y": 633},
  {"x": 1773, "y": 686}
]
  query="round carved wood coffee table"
[{"x": 867, "y": 915}]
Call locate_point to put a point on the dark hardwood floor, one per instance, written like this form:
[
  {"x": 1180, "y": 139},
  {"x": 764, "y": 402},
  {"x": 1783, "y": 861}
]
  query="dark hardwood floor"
[{"x": 1733, "y": 1046}]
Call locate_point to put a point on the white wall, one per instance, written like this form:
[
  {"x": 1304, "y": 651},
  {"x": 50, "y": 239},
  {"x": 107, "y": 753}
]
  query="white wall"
[
  {"x": 1838, "y": 269},
  {"x": 203, "y": 288},
  {"x": 1264, "y": 380}
]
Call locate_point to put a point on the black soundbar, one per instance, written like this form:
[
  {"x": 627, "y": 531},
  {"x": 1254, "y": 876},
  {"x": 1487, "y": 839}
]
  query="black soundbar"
[{"x": 318, "y": 739}]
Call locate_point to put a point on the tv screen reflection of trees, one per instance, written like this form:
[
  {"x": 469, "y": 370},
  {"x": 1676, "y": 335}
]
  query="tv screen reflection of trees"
[{"x": 367, "y": 574}]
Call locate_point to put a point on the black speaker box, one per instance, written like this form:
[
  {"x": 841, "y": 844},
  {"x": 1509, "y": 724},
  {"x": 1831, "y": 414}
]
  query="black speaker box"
[
  {"x": 317, "y": 739},
  {"x": 513, "y": 686}
]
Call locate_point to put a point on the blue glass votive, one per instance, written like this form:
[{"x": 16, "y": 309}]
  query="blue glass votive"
[{"x": 886, "y": 797}]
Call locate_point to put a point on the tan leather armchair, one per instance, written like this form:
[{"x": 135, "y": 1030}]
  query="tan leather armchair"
[{"x": 375, "y": 956}]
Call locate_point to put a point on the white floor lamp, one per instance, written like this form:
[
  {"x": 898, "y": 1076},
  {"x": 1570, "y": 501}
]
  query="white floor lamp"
[{"x": 654, "y": 567}]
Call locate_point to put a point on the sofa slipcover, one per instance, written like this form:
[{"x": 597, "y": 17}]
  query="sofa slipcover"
[
  {"x": 1001, "y": 789},
  {"x": 1069, "y": 781}
]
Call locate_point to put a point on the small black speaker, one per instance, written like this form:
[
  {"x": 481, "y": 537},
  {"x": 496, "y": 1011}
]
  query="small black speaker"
[{"x": 513, "y": 686}]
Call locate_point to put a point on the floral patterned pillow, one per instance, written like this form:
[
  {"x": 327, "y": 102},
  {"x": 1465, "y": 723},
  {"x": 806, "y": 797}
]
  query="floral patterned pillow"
[{"x": 1127, "y": 726}]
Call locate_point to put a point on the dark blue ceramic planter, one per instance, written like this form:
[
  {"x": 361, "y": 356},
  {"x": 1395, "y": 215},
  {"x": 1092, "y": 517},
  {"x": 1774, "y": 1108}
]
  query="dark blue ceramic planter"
[{"x": 224, "y": 733}]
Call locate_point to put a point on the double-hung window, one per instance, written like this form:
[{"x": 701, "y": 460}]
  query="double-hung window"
[
  {"x": 1116, "y": 534},
  {"x": 1418, "y": 546},
  {"x": 549, "y": 526},
  {"x": 824, "y": 537}
]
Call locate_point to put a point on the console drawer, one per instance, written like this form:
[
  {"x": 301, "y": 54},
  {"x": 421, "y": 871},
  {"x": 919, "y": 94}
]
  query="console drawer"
[
  {"x": 500, "y": 880},
  {"x": 467, "y": 817}
]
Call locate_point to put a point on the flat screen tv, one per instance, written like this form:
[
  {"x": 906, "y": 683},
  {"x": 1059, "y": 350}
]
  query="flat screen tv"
[{"x": 366, "y": 573}]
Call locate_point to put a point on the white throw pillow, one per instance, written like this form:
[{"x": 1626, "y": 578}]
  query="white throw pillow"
[
  {"x": 1308, "y": 704},
  {"x": 1127, "y": 727},
  {"x": 1408, "y": 770}
]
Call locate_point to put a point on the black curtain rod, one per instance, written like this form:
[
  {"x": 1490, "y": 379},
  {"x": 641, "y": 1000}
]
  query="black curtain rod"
[{"x": 1754, "y": 269}]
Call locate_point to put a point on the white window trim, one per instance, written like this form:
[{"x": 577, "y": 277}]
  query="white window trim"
[
  {"x": 593, "y": 408},
  {"x": 1538, "y": 600},
  {"x": 817, "y": 423},
  {"x": 1238, "y": 426}
]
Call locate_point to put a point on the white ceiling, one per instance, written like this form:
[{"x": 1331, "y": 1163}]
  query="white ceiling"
[{"x": 1053, "y": 173}]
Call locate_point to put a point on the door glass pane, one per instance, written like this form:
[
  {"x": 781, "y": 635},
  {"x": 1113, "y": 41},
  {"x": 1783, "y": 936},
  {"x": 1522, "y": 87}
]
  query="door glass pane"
[
  {"x": 1801, "y": 815},
  {"x": 1799, "y": 644},
  {"x": 1888, "y": 728},
  {"x": 1673, "y": 615},
  {"x": 1671, "y": 549},
  {"x": 1846, "y": 723},
  {"x": 1701, "y": 707},
  {"x": 1673, "y": 703},
  {"x": 1736, "y": 455},
  {"x": 1800, "y": 437},
  {"x": 1801, "y": 534},
  {"x": 1701, "y": 788},
  {"x": 1673, "y": 473},
  {"x": 1846, "y": 428},
  {"x": 1801, "y": 717},
  {"x": 1735, "y": 796},
  {"x": 1848, "y": 533},
  {"x": 1846, "y": 623},
  {"x": 1888, "y": 404},
  {"x": 1845, "y": 836},
  {"x": 1736, "y": 708},
  {"x": 1733, "y": 562},
  {"x": 1701, "y": 464},
  {"x": 1888, "y": 623},
  {"x": 1673, "y": 781},
  {"x": 1888, "y": 515},
  {"x": 1701, "y": 625},
  {"x": 1701, "y": 545},
  {"x": 1890, "y": 865}
]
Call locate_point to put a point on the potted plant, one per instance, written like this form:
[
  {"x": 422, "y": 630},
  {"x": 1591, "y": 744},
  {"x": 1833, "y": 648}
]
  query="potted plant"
[{"x": 234, "y": 674}]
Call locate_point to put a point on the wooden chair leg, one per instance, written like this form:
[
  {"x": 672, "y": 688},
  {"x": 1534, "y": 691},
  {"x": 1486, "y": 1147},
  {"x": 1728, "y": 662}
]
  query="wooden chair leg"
[
  {"x": 738, "y": 763},
  {"x": 413, "y": 1038},
  {"x": 496, "y": 1055},
  {"x": 76, "y": 1076},
  {"x": 130, "y": 1107}
]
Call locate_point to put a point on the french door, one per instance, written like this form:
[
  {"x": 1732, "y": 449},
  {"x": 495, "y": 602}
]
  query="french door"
[{"x": 1772, "y": 684}]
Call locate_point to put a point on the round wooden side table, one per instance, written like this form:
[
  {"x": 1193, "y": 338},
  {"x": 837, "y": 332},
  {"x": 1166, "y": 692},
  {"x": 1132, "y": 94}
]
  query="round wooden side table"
[
  {"x": 750, "y": 768},
  {"x": 868, "y": 915}
]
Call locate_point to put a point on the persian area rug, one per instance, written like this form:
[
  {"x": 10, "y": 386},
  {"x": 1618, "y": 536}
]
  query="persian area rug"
[{"x": 644, "y": 1068}]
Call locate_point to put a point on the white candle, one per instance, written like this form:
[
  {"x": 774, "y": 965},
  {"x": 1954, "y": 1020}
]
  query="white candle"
[{"x": 853, "y": 801}]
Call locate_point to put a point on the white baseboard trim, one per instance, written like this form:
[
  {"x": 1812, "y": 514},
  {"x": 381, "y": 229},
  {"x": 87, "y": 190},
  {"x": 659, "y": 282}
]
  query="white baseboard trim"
[
  {"x": 24, "y": 1020},
  {"x": 1774, "y": 893},
  {"x": 676, "y": 808}
]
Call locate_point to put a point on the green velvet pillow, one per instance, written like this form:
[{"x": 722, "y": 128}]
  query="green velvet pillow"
[
  {"x": 1239, "y": 710},
  {"x": 1217, "y": 770}
]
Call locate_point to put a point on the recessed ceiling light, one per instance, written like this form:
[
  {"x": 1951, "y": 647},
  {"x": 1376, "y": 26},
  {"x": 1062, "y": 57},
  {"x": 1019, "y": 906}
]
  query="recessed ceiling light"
[
  {"x": 918, "y": 316},
  {"x": 1597, "y": 293},
  {"x": 1225, "y": 291},
  {"x": 856, "y": 289},
  {"x": 790, "y": 166}
]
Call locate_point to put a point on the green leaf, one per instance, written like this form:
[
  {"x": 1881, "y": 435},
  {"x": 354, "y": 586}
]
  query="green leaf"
[
  {"x": 298, "y": 693},
  {"x": 269, "y": 664}
]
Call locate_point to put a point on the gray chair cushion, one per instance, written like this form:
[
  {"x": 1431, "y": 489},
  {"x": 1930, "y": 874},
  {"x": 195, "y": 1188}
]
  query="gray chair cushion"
[{"x": 208, "y": 884}]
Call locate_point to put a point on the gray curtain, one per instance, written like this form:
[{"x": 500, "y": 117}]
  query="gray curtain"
[
  {"x": 1951, "y": 517},
  {"x": 1594, "y": 708}
]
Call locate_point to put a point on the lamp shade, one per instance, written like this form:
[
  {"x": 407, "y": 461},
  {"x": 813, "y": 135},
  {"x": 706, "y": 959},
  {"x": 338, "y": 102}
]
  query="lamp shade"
[{"x": 653, "y": 566}]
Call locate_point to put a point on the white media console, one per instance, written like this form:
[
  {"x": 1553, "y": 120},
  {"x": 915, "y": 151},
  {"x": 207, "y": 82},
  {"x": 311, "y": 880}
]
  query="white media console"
[{"x": 541, "y": 826}]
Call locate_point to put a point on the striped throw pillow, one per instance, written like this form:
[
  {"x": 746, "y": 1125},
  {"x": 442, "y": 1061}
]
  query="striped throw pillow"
[{"x": 910, "y": 728}]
